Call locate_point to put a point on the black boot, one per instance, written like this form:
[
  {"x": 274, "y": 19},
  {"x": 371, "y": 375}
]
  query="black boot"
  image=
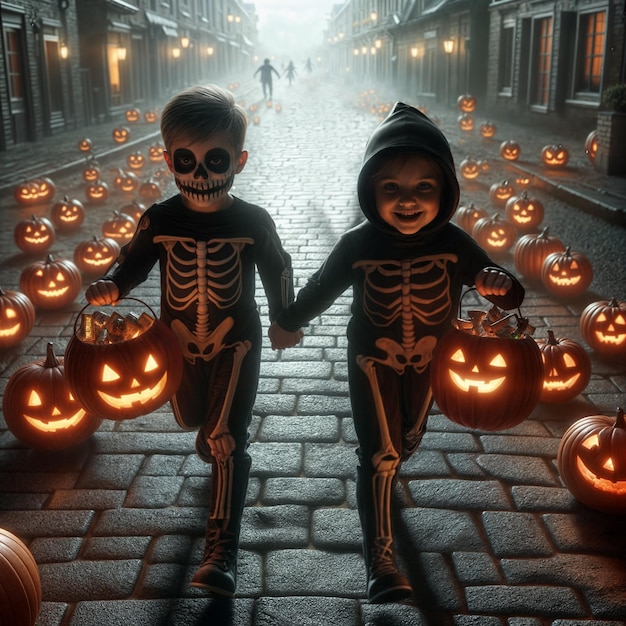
[
  {"x": 385, "y": 583},
  {"x": 218, "y": 571}
]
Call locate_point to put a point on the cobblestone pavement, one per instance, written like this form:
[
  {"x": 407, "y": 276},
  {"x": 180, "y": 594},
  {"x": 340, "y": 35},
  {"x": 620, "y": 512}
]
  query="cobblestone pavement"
[{"x": 487, "y": 533}]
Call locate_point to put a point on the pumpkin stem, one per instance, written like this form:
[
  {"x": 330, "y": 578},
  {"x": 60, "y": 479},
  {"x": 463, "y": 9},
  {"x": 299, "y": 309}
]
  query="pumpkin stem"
[
  {"x": 619, "y": 420},
  {"x": 51, "y": 358},
  {"x": 551, "y": 338}
]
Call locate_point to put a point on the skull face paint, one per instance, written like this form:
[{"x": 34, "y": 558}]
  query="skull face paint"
[{"x": 204, "y": 177}]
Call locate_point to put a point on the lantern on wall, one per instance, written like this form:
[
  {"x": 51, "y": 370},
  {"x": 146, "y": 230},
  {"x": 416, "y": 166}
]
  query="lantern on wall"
[
  {"x": 486, "y": 372},
  {"x": 494, "y": 234},
  {"x": 592, "y": 462},
  {"x": 501, "y": 192},
  {"x": 488, "y": 129},
  {"x": 566, "y": 368},
  {"x": 126, "y": 378},
  {"x": 603, "y": 326},
  {"x": 17, "y": 318},
  {"x": 68, "y": 214},
  {"x": 41, "y": 411},
  {"x": 468, "y": 215},
  {"x": 510, "y": 150},
  {"x": 20, "y": 584},
  {"x": 591, "y": 145},
  {"x": 524, "y": 212},
  {"x": 34, "y": 235},
  {"x": 94, "y": 256},
  {"x": 554, "y": 156},
  {"x": 567, "y": 273},
  {"x": 531, "y": 250},
  {"x": 466, "y": 103},
  {"x": 51, "y": 284}
]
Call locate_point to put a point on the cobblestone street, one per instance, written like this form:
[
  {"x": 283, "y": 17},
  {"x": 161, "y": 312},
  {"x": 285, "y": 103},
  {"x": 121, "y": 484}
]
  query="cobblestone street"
[{"x": 487, "y": 533}]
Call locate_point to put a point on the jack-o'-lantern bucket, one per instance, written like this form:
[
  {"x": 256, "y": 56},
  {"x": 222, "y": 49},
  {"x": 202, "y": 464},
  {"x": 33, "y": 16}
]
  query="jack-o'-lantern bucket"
[
  {"x": 120, "y": 367},
  {"x": 486, "y": 371}
]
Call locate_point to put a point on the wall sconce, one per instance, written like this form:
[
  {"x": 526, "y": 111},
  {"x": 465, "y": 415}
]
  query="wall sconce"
[
  {"x": 64, "y": 51},
  {"x": 210, "y": 50},
  {"x": 448, "y": 45},
  {"x": 414, "y": 52},
  {"x": 378, "y": 43},
  {"x": 356, "y": 52},
  {"x": 373, "y": 50},
  {"x": 175, "y": 52},
  {"x": 121, "y": 53},
  {"x": 364, "y": 50},
  {"x": 184, "y": 41}
]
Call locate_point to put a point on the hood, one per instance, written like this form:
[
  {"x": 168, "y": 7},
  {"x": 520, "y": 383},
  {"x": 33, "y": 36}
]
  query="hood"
[{"x": 406, "y": 129}]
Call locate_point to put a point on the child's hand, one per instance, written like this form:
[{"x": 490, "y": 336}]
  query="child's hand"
[
  {"x": 493, "y": 282},
  {"x": 102, "y": 292},
  {"x": 281, "y": 338}
]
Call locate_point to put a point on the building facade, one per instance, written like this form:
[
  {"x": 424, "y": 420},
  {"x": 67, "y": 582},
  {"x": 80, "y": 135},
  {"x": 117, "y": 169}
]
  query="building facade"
[{"x": 71, "y": 63}]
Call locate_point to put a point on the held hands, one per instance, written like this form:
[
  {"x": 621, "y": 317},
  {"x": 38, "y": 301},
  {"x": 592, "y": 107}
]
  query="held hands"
[
  {"x": 281, "y": 338},
  {"x": 492, "y": 282},
  {"x": 102, "y": 292}
]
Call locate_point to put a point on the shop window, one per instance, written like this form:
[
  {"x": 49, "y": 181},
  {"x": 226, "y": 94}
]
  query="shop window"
[
  {"x": 541, "y": 62},
  {"x": 590, "y": 57}
]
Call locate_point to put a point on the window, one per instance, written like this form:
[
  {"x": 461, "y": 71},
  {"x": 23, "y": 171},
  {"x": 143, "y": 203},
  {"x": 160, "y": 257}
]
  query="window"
[
  {"x": 541, "y": 61},
  {"x": 505, "y": 69},
  {"x": 14, "y": 67},
  {"x": 590, "y": 52}
]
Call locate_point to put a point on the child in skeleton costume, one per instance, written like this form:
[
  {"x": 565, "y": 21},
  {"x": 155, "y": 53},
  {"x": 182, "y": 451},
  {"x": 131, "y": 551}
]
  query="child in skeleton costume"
[
  {"x": 407, "y": 265},
  {"x": 207, "y": 243}
]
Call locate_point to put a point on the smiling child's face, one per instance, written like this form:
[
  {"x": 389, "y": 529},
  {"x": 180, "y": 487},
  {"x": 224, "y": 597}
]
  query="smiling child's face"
[
  {"x": 407, "y": 189},
  {"x": 204, "y": 171}
]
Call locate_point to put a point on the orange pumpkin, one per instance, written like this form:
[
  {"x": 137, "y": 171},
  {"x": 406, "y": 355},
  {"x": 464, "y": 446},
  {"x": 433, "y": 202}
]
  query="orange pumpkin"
[
  {"x": 133, "y": 115},
  {"x": 17, "y": 318},
  {"x": 134, "y": 209},
  {"x": 20, "y": 584},
  {"x": 126, "y": 182},
  {"x": 500, "y": 193},
  {"x": 524, "y": 212},
  {"x": 591, "y": 145},
  {"x": 119, "y": 227},
  {"x": 51, "y": 284},
  {"x": 567, "y": 273},
  {"x": 155, "y": 152},
  {"x": 150, "y": 190},
  {"x": 531, "y": 250},
  {"x": 488, "y": 129},
  {"x": 469, "y": 168},
  {"x": 592, "y": 462},
  {"x": 468, "y": 215},
  {"x": 136, "y": 160},
  {"x": 40, "y": 409},
  {"x": 495, "y": 234},
  {"x": 34, "y": 235},
  {"x": 68, "y": 214},
  {"x": 27, "y": 193},
  {"x": 510, "y": 150},
  {"x": 150, "y": 116},
  {"x": 121, "y": 134},
  {"x": 92, "y": 171},
  {"x": 85, "y": 144},
  {"x": 97, "y": 192},
  {"x": 603, "y": 326},
  {"x": 45, "y": 189},
  {"x": 555, "y": 156},
  {"x": 94, "y": 256},
  {"x": 465, "y": 122},
  {"x": 466, "y": 103}
]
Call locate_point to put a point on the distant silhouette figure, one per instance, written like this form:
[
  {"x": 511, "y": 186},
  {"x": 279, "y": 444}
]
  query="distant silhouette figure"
[
  {"x": 308, "y": 66},
  {"x": 266, "y": 76},
  {"x": 290, "y": 72}
]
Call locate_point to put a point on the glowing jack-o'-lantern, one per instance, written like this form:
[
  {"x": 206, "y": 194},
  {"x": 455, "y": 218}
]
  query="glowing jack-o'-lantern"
[
  {"x": 524, "y": 212},
  {"x": 133, "y": 115},
  {"x": 554, "y": 155},
  {"x": 126, "y": 182},
  {"x": 20, "y": 583},
  {"x": 136, "y": 160},
  {"x": 591, "y": 145},
  {"x": 603, "y": 326},
  {"x": 465, "y": 122},
  {"x": 500, "y": 193},
  {"x": 486, "y": 382},
  {"x": 134, "y": 209},
  {"x": 150, "y": 189},
  {"x": 94, "y": 256},
  {"x": 85, "y": 144},
  {"x": 592, "y": 462},
  {"x": 121, "y": 134},
  {"x": 466, "y": 103},
  {"x": 45, "y": 189},
  {"x": 51, "y": 284},
  {"x": 531, "y": 250},
  {"x": 567, "y": 273},
  {"x": 566, "y": 367},
  {"x": 488, "y": 129},
  {"x": 91, "y": 172},
  {"x": 34, "y": 235},
  {"x": 40, "y": 409},
  {"x": 523, "y": 180},
  {"x": 468, "y": 215},
  {"x": 119, "y": 227},
  {"x": 155, "y": 153},
  {"x": 469, "y": 168},
  {"x": 97, "y": 192},
  {"x": 495, "y": 234},
  {"x": 27, "y": 193},
  {"x": 510, "y": 150},
  {"x": 17, "y": 318},
  {"x": 68, "y": 214},
  {"x": 151, "y": 116},
  {"x": 123, "y": 380}
]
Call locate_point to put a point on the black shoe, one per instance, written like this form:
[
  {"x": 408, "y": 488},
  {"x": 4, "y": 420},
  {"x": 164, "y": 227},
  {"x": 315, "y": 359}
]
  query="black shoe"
[
  {"x": 389, "y": 587},
  {"x": 215, "y": 576}
]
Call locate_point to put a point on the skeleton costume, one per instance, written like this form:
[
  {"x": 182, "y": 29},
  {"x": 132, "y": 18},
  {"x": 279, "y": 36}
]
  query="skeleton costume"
[
  {"x": 406, "y": 290},
  {"x": 207, "y": 272}
]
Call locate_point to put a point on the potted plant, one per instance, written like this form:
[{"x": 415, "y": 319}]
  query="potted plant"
[{"x": 611, "y": 156}]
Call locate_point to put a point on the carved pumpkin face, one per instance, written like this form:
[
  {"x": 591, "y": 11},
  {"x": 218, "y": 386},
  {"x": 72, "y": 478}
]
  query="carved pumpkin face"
[
  {"x": 467, "y": 216},
  {"x": 94, "y": 256},
  {"x": 466, "y": 122},
  {"x": 523, "y": 180},
  {"x": 567, "y": 273},
  {"x": 155, "y": 152},
  {"x": 119, "y": 227},
  {"x": 500, "y": 193},
  {"x": 488, "y": 130},
  {"x": 566, "y": 368},
  {"x": 34, "y": 235},
  {"x": 469, "y": 168},
  {"x": 150, "y": 190},
  {"x": 17, "y": 318},
  {"x": 554, "y": 156},
  {"x": 126, "y": 379},
  {"x": 136, "y": 160},
  {"x": 97, "y": 192},
  {"x": 150, "y": 117},
  {"x": 494, "y": 234},
  {"x": 603, "y": 326},
  {"x": 51, "y": 284},
  {"x": 45, "y": 189},
  {"x": 592, "y": 462},
  {"x": 133, "y": 115},
  {"x": 591, "y": 145},
  {"x": 134, "y": 209},
  {"x": 27, "y": 193},
  {"x": 531, "y": 250},
  {"x": 466, "y": 103},
  {"x": 510, "y": 150},
  {"x": 476, "y": 380},
  {"x": 91, "y": 172},
  {"x": 121, "y": 134},
  {"x": 523, "y": 212},
  {"x": 41, "y": 411},
  {"x": 85, "y": 145},
  {"x": 68, "y": 214},
  {"x": 126, "y": 182}
]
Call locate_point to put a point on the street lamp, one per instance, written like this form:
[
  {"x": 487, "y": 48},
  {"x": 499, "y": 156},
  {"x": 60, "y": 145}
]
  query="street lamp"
[
  {"x": 64, "y": 51},
  {"x": 184, "y": 41},
  {"x": 121, "y": 53},
  {"x": 176, "y": 52},
  {"x": 210, "y": 50},
  {"x": 448, "y": 46}
]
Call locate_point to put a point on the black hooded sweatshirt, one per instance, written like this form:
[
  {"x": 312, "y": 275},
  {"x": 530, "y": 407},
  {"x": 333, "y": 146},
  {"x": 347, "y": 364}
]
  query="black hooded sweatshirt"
[{"x": 405, "y": 287}]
